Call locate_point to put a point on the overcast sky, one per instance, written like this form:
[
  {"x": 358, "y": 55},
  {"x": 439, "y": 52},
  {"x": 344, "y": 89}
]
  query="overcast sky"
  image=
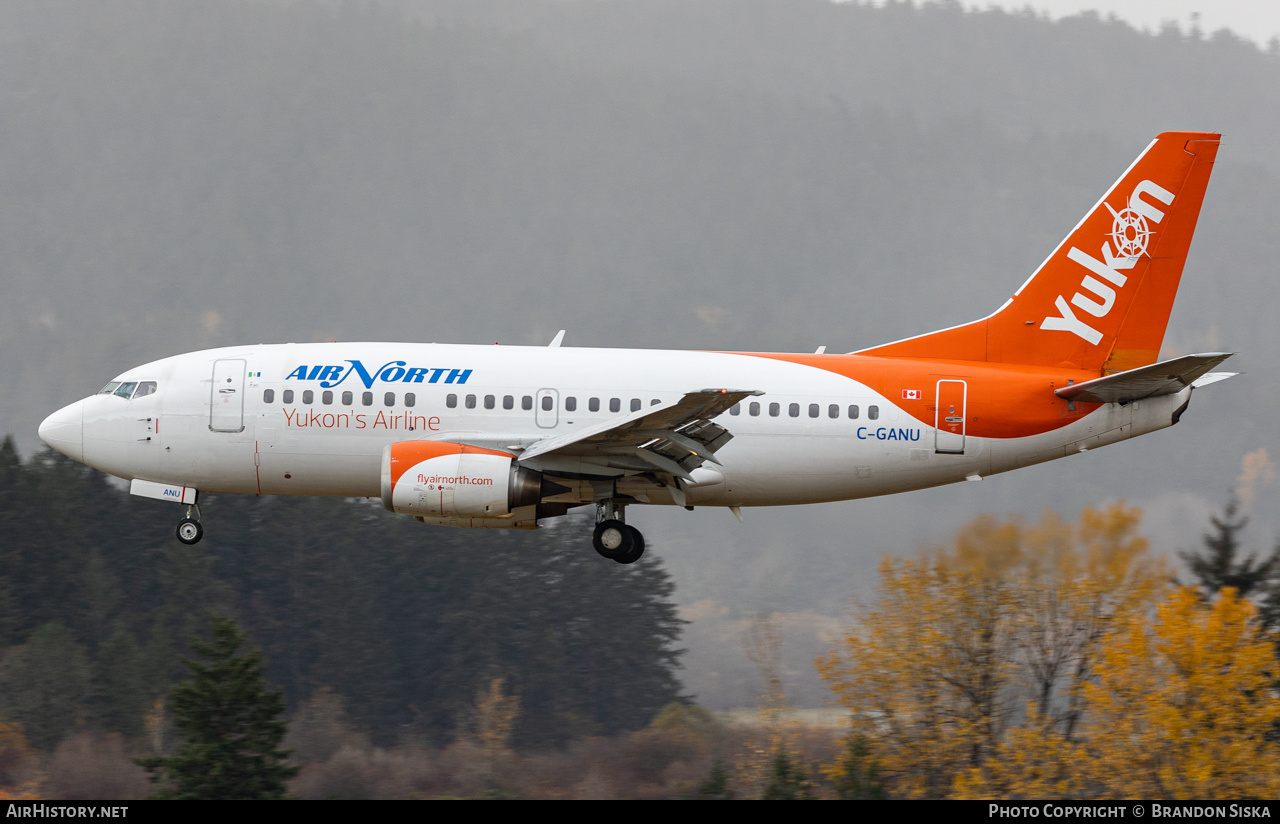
[{"x": 1258, "y": 20}]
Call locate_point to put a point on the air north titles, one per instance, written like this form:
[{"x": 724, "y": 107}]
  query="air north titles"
[{"x": 391, "y": 372}]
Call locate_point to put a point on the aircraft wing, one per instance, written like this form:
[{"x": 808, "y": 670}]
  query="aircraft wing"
[
  {"x": 674, "y": 437},
  {"x": 1164, "y": 378}
]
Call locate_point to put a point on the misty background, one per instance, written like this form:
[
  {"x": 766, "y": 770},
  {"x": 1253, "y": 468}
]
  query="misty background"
[{"x": 711, "y": 174}]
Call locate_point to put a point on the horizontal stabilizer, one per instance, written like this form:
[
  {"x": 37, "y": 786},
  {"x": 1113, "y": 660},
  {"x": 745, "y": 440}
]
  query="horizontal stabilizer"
[
  {"x": 1164, "y": 378},
  {"x": 1212, "y": 377}
]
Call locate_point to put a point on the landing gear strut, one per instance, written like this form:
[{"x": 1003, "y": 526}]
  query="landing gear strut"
[
  {"x": 613, "y": 538},
  {"x": 189, "y": 529}
]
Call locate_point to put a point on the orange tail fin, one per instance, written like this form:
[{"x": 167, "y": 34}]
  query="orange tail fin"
[{"x": 1101, "y": 301}]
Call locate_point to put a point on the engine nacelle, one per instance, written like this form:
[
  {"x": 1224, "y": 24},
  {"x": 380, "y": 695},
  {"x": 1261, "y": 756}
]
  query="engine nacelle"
[{"x": 439, "y": 479}]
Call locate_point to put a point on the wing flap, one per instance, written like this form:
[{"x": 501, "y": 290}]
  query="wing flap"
[
  {"x": 675, "y": 437},
  {"x": 1164, "y": 378}
]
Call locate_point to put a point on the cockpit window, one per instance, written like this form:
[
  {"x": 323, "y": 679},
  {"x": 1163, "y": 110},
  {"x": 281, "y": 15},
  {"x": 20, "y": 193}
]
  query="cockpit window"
[
  {"x": 109, "y": 389},
  {"x": 145, "y": 388},
  {"x": 125, "y": 389}
]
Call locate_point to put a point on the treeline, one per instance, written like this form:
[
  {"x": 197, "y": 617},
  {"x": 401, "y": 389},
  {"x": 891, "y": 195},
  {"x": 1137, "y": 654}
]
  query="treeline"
[
  {"x": 404, "y": 624},
  {"x": 1056, "y": 659}
]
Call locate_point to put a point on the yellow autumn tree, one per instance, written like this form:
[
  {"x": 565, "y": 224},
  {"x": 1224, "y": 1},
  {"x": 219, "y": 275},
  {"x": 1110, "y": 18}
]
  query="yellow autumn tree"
[
  {"x": 1077, "y": 582},
  {"x": 1184, "y": 705},
  {"x": 1181, "y": 705},
  {"x": 495, "y": 719},
  {"x": 925, "y": 671},
  {"x": 1001, "y": 626}
]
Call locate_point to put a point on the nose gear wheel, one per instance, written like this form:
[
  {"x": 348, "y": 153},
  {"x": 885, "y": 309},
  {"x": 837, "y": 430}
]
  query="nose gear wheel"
[{"x": 189, "y": 529}]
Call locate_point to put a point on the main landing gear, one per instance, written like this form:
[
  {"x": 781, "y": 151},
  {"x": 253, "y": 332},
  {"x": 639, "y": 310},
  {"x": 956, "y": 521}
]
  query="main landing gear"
[
  {"x": 189, "y": 529},
  {"x": 613, "y": 538}
]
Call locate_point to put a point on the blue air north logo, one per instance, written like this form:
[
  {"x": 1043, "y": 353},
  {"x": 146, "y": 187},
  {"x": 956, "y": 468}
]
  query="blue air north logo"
[{"x": 392, "y": 372}]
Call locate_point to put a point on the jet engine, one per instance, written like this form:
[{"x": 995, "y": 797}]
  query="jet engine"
[{"x": 445, "y": 480}]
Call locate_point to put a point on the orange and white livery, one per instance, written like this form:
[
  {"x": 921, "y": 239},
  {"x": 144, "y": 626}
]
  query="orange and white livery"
[{"x": 504, "y": 437}]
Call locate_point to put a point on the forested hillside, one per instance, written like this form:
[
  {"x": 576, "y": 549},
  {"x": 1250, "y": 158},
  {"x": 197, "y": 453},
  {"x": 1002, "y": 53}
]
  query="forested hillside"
[{"x": 98, "y": 603}]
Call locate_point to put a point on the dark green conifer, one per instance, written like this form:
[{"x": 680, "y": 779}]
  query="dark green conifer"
[
  {"x": 1216, "y": 566},
  {"x": 786, "y": 780},
  {"x": 716, "y": 787},
  {"x": 230, "y": 726},
  {"x": 860, "y": 771}
]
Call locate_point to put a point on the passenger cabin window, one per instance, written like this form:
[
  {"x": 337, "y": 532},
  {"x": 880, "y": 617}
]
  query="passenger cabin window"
[
  {"x": 471, "y": 401},
  {"x": 873, "y": 412},
  {"x": 145, "y": 388},
  {"x": 508, "y": 402},
  {"x": 326, "y": 397},
  {"x": 287, "y": 397},
  {"x": 853, "y": 411},
  {"x": 389, "y": 399},
  {"x": 571, "y": 404},
  {"x": 593, "y": 405},
  {"x": 366, "y": 398},
  {"x": 125, "y": 390},
  {"x": 268, "y": 396},
  {"x": 347, "y": 399},
  {"x": 451, "y": 401},
  {"x": 736, "y": 409},
  {"x": 547, "y": 403},
  {"x": 833, "y": 411},
  {"x": 754, "y": 409},
  {"x": 410, "y": 399},
  {"x": 813, "y": 410},
  {"x": 774, "y": 409},
  {"x": 490, "y": 401},
  {"x": 793, "y": 410},
  {"x": 308, "y": 396},
  {"x": 526, "y": 402},
  {"x": 635, "y": 404},
  {"x": 615, "y": 404}
]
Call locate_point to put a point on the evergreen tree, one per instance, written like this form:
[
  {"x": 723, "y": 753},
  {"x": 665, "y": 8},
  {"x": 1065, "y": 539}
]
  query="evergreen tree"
[
  {"x": 1216, "y": 566},
  {"x": 229, "y": 724},
  {"x": 45, "y": 685},
  {"x": 858, "y": 776},
  {"x": 716, "y": 787},
  {"x": 786, "y": 780},
  {"x": 121, "y": 694}
]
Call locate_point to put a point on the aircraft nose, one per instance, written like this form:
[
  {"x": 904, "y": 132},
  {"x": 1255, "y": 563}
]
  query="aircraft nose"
[{"x": 64, "y": 430}]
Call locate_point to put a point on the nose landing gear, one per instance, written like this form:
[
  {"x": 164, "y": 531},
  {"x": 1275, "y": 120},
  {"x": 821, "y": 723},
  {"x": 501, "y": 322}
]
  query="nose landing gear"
[
  {"x": 189, "y": 529},
  {"x": 612, "y": 538}
]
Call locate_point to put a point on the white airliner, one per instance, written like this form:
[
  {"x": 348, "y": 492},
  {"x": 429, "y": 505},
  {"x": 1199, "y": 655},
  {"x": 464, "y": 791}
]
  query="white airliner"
[{"x": 505, "y": 436}]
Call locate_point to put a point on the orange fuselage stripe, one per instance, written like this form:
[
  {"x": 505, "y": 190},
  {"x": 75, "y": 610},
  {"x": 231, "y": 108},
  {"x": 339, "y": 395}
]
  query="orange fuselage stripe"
[{"x": 1004, "y": 400}]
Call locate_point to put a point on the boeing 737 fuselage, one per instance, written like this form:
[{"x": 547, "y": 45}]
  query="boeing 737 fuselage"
[{"x": 506, "y": 436}]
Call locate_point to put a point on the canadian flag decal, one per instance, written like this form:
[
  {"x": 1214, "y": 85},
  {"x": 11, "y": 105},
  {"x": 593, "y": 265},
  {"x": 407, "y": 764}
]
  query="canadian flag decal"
[{"x": 911, "y": 394}]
